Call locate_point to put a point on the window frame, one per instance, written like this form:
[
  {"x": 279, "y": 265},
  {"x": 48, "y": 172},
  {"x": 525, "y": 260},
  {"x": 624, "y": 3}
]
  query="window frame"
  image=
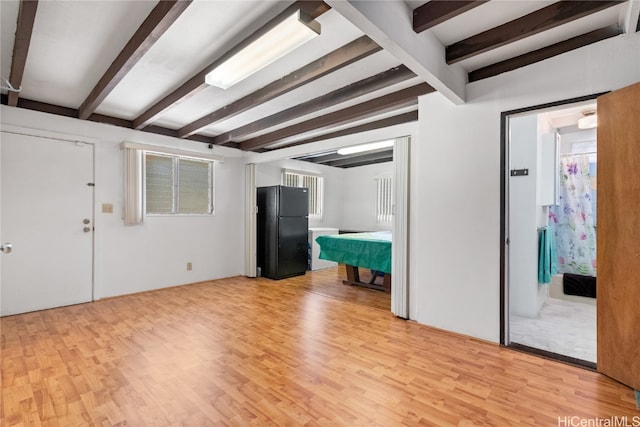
[{"x": 175, "y": 185}]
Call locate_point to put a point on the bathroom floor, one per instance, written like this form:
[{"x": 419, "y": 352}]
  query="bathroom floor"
[{"x": 563, "y": 327}]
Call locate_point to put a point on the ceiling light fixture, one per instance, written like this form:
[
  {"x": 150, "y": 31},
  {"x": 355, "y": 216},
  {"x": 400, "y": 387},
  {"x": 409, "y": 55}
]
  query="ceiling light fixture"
[
  {"x": 589, "y": 120},
  {"x": 291, "y": 33},
  {"x": 366, "y": 147}
]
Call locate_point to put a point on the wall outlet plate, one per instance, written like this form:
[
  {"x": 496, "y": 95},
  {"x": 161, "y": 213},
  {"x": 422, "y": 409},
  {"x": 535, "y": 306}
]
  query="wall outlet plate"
[{"x": 189, "y": 266}]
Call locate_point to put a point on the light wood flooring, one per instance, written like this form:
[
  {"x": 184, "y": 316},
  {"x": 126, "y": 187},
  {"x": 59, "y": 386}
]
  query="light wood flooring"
[
  {"x": 303, "y": 351},
  {"x": 328, "y": 282}
]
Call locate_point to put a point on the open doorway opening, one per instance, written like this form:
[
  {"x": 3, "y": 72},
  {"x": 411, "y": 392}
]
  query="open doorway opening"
[
  {"x": 344, "y": 198},
  {"x": 550, "y": 227},
  {"x": 394, "y": 218}
]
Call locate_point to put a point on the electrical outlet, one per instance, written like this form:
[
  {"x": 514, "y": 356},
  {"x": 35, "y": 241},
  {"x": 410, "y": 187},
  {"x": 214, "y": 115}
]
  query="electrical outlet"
[
  {"x": 189, "y": 266},
  {"x": 107, "y": 208}
]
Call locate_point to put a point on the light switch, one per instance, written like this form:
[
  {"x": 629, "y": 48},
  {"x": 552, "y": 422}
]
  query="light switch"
[{"x": 107, "y": 208}]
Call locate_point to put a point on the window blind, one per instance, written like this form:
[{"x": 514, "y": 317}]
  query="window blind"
[
  {"x": 384, "y": 199},
  {"x": 176, "y": 185},
  {"x": 194, "y": 184},
  {"x": 159, "y": 184},
  {"x": 313, "y": 183}
]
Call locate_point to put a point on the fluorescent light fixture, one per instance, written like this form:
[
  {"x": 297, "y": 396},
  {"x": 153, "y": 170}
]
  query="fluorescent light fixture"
[
  {"x": 286, "y": 36},
  {"x": 589, "y": 121},
  {"x": 366, "y": 147}
]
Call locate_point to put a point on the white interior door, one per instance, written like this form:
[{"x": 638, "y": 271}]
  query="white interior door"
[{"x": 46, "y": 215}]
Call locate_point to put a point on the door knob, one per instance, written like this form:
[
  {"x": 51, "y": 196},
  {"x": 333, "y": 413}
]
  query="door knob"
[
  {"x": 86, "y": 221},
  {"x": 6, "y": 248},
  {"x": 86, "y": 229}
]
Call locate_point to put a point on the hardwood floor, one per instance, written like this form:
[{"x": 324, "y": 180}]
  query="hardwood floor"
[
  {"x": 245, "y": 351},
  {"x": 328, "y": 282}
]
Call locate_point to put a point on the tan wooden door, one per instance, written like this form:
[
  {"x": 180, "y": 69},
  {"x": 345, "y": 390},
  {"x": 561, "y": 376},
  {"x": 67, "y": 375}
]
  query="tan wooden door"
[{"x": 618, "y": 239}]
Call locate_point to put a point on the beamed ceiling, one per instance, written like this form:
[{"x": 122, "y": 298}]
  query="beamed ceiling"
[{"x": 141, "y": 65}]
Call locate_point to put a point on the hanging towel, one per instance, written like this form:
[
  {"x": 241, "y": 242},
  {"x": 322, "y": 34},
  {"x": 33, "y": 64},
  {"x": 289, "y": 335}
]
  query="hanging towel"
[
  {"x": 543, "y": 260},
  {"x": 553, "y": 256},
  {"x": 547, "y": 266}
]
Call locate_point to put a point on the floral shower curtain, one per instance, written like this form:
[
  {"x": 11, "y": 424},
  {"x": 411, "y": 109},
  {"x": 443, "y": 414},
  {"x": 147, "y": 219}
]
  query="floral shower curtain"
[{"x": 573, "y": 218}]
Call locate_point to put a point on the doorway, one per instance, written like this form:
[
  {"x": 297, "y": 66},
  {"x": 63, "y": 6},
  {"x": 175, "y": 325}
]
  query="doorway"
[
  {"x": 46, "y": 203},
  {"x": 550, "y": 220},
  {"x": 399, "y": 223}
]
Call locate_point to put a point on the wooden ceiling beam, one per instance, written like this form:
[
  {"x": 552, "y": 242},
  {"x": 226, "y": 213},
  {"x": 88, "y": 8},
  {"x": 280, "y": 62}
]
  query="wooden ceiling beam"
[
  {"x": 24, "y": 29},
  {"x": 367, "y": 162},
  {"x": 44, "y": 107},
  {"x": 328, "y": 159},
  {"x": 422, "y": 53},
  {"x": 352, "y": 91},
  {"x": 544, "y": 53},
  {"x": 312, "y": 9},
  {"x": 411, "y": 116},
  {"x": 363, "y": 159},
  {"x": 339, "y": 58},
  {"x": 320, "y": 159},
  {"x": 393, "y": 101},
  {"x": 436, "y": 12},
  {"x": 541, "y": 20},
  {"x": 159, "y": 20}
]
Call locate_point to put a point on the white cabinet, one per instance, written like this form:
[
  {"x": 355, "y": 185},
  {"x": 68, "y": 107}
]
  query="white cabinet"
[{"x": 315, "y": 263}]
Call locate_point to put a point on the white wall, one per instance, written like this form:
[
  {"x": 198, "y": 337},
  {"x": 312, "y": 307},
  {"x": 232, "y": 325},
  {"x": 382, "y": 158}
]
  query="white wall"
[
  {"x": 455, "y": 180},
  {"x": 359, "y": 198},
  {"x": 547, "y": 167},
  {"x": 270, "y": 173},
  {"x": 349, "y": 194},
  {"x": 454, "y": 185},
  {"x": 583, "y": 138},
  {"x": 523, "y": 217},
  {"x": 153, "y": 255}
]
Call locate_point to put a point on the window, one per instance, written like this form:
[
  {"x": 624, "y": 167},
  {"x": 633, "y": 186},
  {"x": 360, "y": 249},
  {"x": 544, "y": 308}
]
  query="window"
[
  {"x": 313, "y": 182},
  {"x": 384, "y": 199},
  {"x": 177, "y": 185}
]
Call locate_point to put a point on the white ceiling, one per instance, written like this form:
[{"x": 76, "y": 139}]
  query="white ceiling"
[
  {"x": 567, "y": 117},
  {"x": 497, "y": 12},
  {"x": 336, "y": 32},
  {"x": 212, "y": 27},
  {"x": 8, "y": 14},
  {"x": 74, "y": 42}
]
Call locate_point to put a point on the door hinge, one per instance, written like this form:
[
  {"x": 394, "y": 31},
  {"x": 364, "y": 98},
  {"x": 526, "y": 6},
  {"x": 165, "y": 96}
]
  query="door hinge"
[{"x": 91, "y": 184}]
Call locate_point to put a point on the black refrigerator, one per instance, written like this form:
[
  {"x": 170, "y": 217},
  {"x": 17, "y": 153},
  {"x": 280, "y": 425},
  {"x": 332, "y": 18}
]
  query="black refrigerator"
[{"x": 283, "y": 223}]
